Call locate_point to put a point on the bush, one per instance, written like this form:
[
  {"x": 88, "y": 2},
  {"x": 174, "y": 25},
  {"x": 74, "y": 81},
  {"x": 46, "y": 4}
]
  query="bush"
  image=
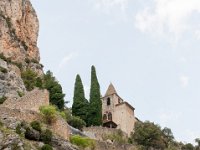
[
  {"x": 2, "y": 57},
  {"x": 1, "y": 124},
  {"x": 46, "y": 147},
  {"x": 117, "y": 137},
  {"x": 20, "y": 93},
  {"x": 3, "y": 70},
  {"x": 36, "y": 125},
  {"x": 63, "y": 115},
  {"x": 82, "y": 142},
  {"x": 49, "y": 113},
  {"x": 29, "y": 78},
  {"x": 46, "y": 136},
  {"x": 39, "y": 83},
  {"x": 31, "y": 134},
  {"x": 18, "y": 129},
  {"x": 2, "y": 99},
  {"x": 76, "y": 122}
]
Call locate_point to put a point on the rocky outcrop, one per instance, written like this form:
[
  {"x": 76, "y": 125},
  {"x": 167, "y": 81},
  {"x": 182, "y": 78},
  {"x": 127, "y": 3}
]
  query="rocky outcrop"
[
  {"x": 19, "y": 30},
  {"x": 18, "y": 45}
]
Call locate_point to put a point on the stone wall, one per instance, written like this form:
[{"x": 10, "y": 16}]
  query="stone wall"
[
  {"x": 20, "y": 115},
  {"x": 31, "y": 101},
  {"x": 98, "y": 133},
  {"x": 60, "y": 127}
]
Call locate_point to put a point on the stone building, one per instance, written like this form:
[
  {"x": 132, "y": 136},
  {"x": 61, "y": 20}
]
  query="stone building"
[{"x": 117, "y": 113}]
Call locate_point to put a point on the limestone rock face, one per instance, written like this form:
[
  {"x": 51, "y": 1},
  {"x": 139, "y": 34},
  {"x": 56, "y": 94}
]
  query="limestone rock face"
[
  {"x": 18, "y": 30},
  {"x": 18, "y": 45}
]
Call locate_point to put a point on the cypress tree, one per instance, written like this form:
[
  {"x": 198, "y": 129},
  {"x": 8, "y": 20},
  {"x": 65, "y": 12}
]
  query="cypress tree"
[
  {"x": 95, "y": 109},
  {"x": 80, "y": 104}
]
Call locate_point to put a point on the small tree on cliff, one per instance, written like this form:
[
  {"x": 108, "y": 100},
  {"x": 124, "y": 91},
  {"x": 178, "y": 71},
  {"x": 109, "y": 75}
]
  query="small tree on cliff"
[
  {"x": 95, "y": 105},
  {"x": 29, "y": 78},
  {"x": 55, "y": 90},
  {"x": 80, "y": 104}
]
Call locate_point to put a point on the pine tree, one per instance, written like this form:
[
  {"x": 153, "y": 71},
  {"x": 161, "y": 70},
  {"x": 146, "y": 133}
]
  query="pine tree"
[
  {"x": 56, "y": 95},
  {"x": 95, "y": 106},
  {"x": 80, "y": 104}
]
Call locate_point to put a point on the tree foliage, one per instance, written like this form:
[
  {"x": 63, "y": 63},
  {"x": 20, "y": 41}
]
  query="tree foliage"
[
  {"x": 95, "y": 104},
  {"x": 29, "y": 78},
  {"x": 76, "y": 122},
  {"x": 187, "y": 146},
  {"x": 149, "y": 135},
  {"x": 55, "y": 90},
  {"x": 80, "y": 104}
]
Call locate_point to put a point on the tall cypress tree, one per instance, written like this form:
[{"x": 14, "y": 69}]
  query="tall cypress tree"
[
  {"x": 80, "y": 104},
  {"x": 95, "y": 109}
]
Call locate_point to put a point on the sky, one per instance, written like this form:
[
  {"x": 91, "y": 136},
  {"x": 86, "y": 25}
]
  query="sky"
[{"x": 149, "y": 50}]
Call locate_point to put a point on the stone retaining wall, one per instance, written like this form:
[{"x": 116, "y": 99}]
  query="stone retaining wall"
[
  {"x": 31, "y": 101},
  {"x": 98, "y": 133},
  {"x": 60, "y": 127}
]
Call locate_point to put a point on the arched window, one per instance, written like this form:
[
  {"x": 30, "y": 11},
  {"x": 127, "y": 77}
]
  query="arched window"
[
  {"x": 109, "y": 116},
  {"x": 108, "y": 101},
  {"x": 104, "y": 117}
]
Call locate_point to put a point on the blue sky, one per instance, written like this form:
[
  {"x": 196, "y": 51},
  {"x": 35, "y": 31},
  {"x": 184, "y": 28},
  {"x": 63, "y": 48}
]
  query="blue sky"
[{"x": 149, "y": 50}]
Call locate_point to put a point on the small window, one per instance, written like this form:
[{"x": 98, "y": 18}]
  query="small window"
[
  {"x": 104, "y": 117},
  {"x": 109, "y": 116},
  {"x": 108, "y": 101}
]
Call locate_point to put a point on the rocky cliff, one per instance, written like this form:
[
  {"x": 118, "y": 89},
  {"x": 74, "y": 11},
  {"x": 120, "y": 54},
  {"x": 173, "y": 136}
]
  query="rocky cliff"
[{"x": 18, "y": 45}]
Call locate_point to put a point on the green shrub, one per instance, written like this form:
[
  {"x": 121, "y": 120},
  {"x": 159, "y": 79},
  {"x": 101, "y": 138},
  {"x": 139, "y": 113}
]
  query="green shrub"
[
  {"x": 46, "y": 147},
  {"x": 2, "y": 99},
  {"x": 82, "y": 142},
  {"x": 49, "y": 113},
  {"x": 46, "y": 136},
  {"x": 1, "y": 124},
  {"x": 18, "y": 129},
  {"x": 3, "y": 57},
  {"x": 31, "y": 134},
  {"x": 39, "y": 83},
  {"x": 117, "y": 137},
  {"x": 20, "y": 93},
  {"x": 36, "y": 125},
  {"x": 63, "y": 115},
  {"x": 3, "y": 70},
  {"x": 76, "y": 122},
  {"x": 29, "y": 78}
]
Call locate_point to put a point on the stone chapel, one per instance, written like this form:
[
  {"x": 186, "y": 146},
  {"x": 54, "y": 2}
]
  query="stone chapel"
[{"x": 117, "y": 113}]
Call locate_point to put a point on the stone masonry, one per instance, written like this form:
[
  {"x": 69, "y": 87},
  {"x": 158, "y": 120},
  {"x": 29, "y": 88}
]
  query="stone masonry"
[{"x": 31, "y": 101}]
